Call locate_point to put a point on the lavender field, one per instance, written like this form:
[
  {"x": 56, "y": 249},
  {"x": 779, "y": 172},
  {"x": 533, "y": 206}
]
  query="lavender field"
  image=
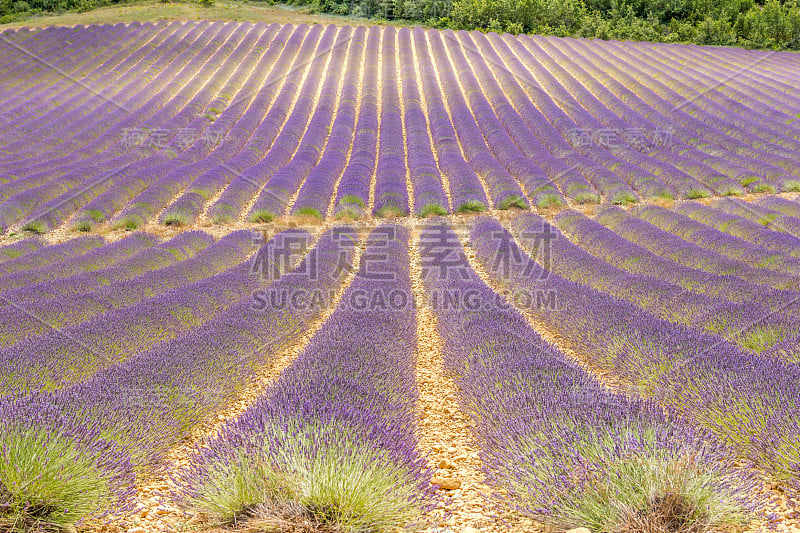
[{"x": 262, "y": 277}]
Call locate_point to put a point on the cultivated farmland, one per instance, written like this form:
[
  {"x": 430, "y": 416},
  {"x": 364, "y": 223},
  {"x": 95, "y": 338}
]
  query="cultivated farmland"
[{"x": 270, "y": 277}]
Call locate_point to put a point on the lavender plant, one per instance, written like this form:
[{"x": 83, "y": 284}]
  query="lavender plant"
[
  {"x": 332, "y": 439},
  {"x": 569, "y": 451}
]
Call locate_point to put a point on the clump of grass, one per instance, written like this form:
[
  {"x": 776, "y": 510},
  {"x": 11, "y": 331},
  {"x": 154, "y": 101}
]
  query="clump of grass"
[
  {"x": 429, "y": 210},
  {"x": 471, "y": 206},
  {"x": 624, "y": 198},
  {"x": 637, "y": 492},
  {"x": 47, "y": 481},
  {"x": 84, "y": 225},
  {"x": 694, "y": 194},
  {"x": 340, "y": 487},
  {"x": 667, "y": 513},
  {"x": 390, "y": 211},
  {"x": 359, "y": 491},
  {"x": 791, "y": 186},
  {"x": 762, "y": 187},
  {"x": 39, "y": 227},
  {"x": 221, "y": 218},
  {"x": 309, "y": 212},
  {"x": 129, "y": 223},
  {"x": 587, "y": 198},
  {"x": 762, "y": 338},
  {"x": 346, "y": 213},
  {"x": 351, "y": 199},
  {"x": 665, "y": 195},
  {"x": 646, "y": 491},
  {"x": 766, "y": 220},
  {"x": 233, "y": 490},
  {"x": 262, "y": 215},
  {"x": 549, "y": 200},
  {"x": 603, "y": 464},
  {"x": 748, "y": 180},
  {"x": 731, "y": 190},
  {"x": 175, "y": 219},
  {"x": 515, "y": 201},
  {"x": 96, "y": 215}
]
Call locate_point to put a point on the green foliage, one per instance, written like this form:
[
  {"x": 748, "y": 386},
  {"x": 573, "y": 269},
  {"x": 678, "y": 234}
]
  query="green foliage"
[
  {"x": 432, "y": 210},
  {"x": 471, "y": 206},
  {"x": 348, "y": 213},
  {"x": 766, "y": 24},
  {"x": 221, "y": 218},
  {"x": 47, "y": 480},
  {"x": 130, "y": 222},
  {"x": 262, "y": 215},
  {"x": 587, "y": 198},
  {"x": 36, "y": 226},
  {"x": 761, "y": 338},
  {"x": 549, "y": 200},
  {"x": 390, "y": 211},
  {"x": 233, "y": 489},
  {"x": 84, "y": 225},
  {"x": 624, "y": 198},
  {"x": 513, "y": 201},
  {"x": 694, "y": 194},
  {"x": 345, "y": 486},
  {"x": 175, "y": 219},
  {"x": 352, "y": 199},
  {"x": 310, "y": 212},
  {"x": 772, "y": 24}
]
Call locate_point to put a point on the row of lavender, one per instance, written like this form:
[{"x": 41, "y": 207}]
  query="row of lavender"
[
  {"x": 566, "y": 448},
  {"x": 703, "y": 320},
  {"x": 227, "y": 122},
  {"x": 169, "y": 335},
  {"x": 107, "y": 419},
  {"x": 333, "y": 438}
]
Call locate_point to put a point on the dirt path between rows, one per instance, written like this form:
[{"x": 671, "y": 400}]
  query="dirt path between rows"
[{"x": 445, "y": 437}]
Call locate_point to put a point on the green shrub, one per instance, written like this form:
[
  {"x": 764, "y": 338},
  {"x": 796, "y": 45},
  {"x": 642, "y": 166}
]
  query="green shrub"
[
  {"x": 175, "y": 219},
  {"x": 47, "y": 480},
  {"x": 348, "y": 488},
  {"x": 309, "y": 212},
  {"x": 262, "y": 215},
  {"x": 432, "y": 210},
  {"x": 471, "y": 206},
  {"x": 36, "y": 226},
  {"x": 513, "y": 201}
]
